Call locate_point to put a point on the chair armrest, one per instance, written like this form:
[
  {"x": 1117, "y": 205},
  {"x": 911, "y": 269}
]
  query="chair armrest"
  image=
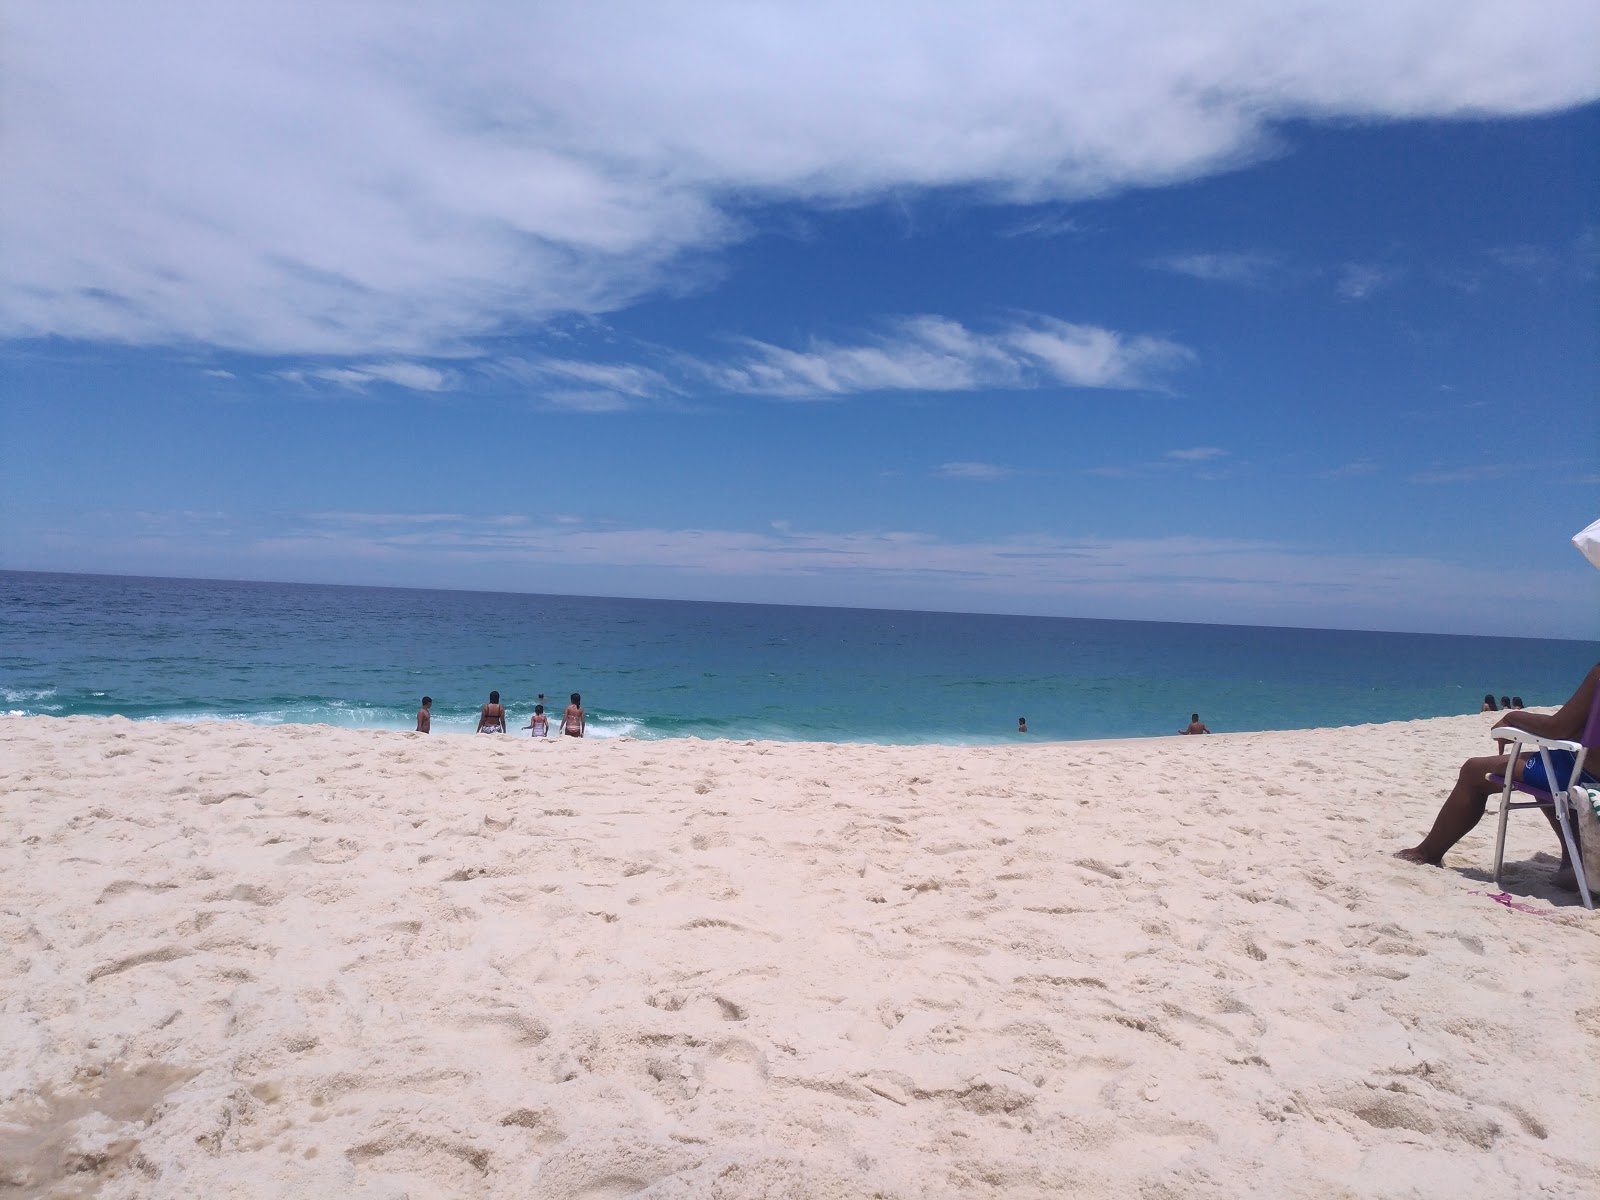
[{"x": 1509, "y": 733}]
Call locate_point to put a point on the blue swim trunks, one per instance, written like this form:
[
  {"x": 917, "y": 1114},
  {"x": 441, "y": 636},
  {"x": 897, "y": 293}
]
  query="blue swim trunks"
[{"x": 1563, "y": 761}]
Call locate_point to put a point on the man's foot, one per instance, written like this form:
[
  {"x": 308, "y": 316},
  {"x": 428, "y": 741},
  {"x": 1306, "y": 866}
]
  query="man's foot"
[{"x": 1415, "y": 855}]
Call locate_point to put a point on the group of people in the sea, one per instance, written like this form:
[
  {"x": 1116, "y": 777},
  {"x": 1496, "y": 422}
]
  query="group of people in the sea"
[
  {"x": 492, "y": 717},
  {"x": 1506, "y": 702}
]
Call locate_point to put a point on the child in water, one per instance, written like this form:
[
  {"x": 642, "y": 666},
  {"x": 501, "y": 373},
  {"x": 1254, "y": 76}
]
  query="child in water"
[{"x": 539, "y": 723}]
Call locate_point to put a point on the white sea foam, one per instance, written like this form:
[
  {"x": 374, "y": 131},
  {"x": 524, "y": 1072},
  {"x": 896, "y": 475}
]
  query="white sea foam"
[
  {"x": 337, "y": 714},
  {"x": 610, "y": 727},
  {"x": 22, "y": 695}
]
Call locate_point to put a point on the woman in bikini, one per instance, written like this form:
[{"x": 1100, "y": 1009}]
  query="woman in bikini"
[
  {"x": 573, "y": 721},
  {"x": 493, "y": 717}
]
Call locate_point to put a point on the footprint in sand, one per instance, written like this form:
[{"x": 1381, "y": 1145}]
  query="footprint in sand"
[
  {"x": 543, "y": 1128},
  {"x": 735, "y": 1064},
  {"x": 333, "y": 851}
]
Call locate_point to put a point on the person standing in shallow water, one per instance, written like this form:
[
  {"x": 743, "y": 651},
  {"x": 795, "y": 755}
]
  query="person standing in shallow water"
[
  {"x": 425, "y": 715},
  {"x": 1022, "y": 724},
  {"x": 574, "y": 721},
  {"x": 493, "y": 717}
]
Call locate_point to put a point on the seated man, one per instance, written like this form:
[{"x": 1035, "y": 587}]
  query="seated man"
[
  {"x": 1195, "y": 725},
  {"x": 1463, "y": 808}
]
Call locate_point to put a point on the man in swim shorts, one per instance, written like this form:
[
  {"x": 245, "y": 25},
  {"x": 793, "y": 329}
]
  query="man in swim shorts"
[{"x": 1464, "y": 807}]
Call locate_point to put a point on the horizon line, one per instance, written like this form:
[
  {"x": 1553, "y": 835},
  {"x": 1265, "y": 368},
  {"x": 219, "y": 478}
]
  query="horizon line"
[{"x": 466, "y": 591}]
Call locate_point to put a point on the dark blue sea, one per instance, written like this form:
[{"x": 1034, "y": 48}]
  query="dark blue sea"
[{"x": 196, "y": 650}]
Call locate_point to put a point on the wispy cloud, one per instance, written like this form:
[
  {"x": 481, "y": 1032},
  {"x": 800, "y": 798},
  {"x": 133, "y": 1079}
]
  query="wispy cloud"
[
  {"x": 1476, "y": 473},
  {"x": 1045, "y": 225},
  {"x": 589, "y": 401},
  {"x": 626, "y": 379},
  {"x": 358, "y": 520},
  {"x": 1247, "y": 268},
  {"x": 1357, "y": 281},
  {"x": 377, "y": 181},
  {"x": 1580, "y": 257},
  {"x": 973, "y": 470},
  {"x": 1199, "y": 462},
  {"x": 417, "y": 377},
  {"x": 584, "y": 386},
  {"x": 216, "y": 373},
  {"x": 1564, "y": 470},
  {"x": 936, "y": 354},
  {"x": 1351, "y": 470}
]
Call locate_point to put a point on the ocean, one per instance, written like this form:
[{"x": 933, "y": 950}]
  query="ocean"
[{"x": 362, "y": 657}]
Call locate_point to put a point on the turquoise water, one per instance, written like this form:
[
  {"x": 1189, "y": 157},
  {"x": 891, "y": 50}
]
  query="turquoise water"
[{"x": 187, "y": 650}]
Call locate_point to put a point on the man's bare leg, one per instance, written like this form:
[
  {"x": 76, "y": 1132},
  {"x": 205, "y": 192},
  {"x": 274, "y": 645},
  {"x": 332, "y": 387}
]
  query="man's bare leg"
[
  {"x": 1461, "y": 812},
  {"x": 1463, "y": 809}
]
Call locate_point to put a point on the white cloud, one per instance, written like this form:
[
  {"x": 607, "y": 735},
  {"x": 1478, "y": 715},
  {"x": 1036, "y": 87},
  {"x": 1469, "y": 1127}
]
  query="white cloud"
[
  {"x": 1045, "y": 225},
  {"x": 936, "y": 354},
  {"x": 418, "y": 377},
  {"x": 374, "y": 180},
  {"x": 219, "y": 374},
  {"x": 1250, "y": 269},
  {"x": 973, "y": 470},
  {"x": 1579, "y": 258},
  {"x": 588, "y": 401},
  {"x": 1351, "y": 470},
  {"x": 1191, "y": 460},
  {"x": 1476, "y": 473},
  {"x": 621, "y": 379},
  {"x": 585, "y": 386},
  {"x": 1357, "y": 281}
]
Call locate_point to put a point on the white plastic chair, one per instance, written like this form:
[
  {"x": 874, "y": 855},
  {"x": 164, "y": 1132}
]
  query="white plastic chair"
[{"x": 1563, "y": 802}]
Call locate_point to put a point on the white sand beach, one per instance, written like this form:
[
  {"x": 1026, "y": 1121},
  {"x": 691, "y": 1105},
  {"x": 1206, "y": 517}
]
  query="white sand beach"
[{"x": 299, "y": 961}]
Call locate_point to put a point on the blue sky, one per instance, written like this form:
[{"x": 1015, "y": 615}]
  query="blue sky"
[{"x": 1279, "y": 314}]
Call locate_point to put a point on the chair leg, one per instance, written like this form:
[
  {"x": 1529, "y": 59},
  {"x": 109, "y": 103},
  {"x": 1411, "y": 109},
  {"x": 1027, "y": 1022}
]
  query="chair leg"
[
  {"x": 1564, "y": 813},
  {"x": 1500, "y": 837}
]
